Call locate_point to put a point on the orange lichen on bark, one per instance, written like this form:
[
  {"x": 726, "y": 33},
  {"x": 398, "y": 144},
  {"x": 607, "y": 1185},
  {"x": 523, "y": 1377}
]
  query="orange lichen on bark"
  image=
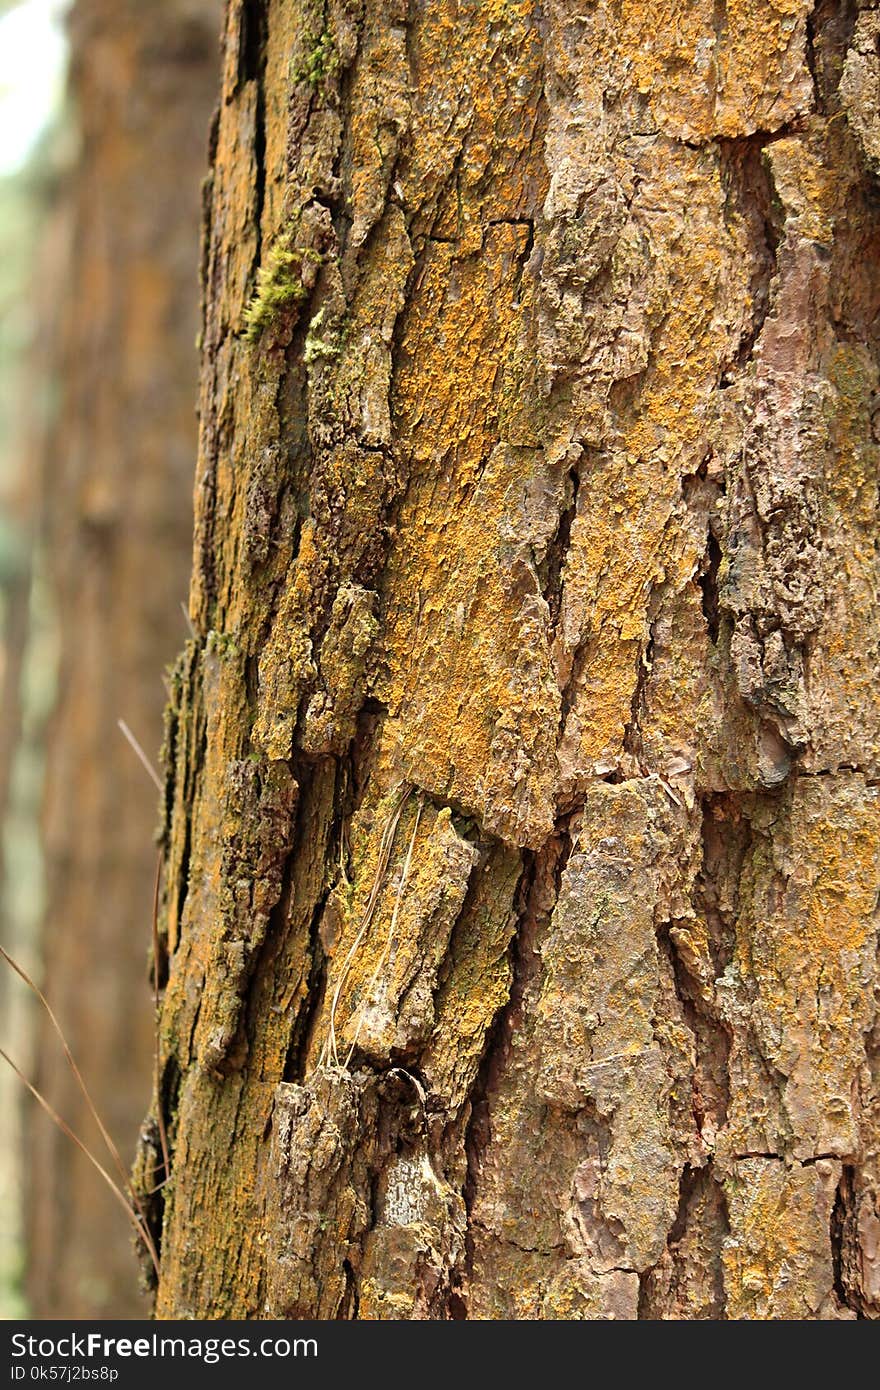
[
  {"x": 807, "y": 941},
  {"x": 707, "y": 75},
  {"x": 778, "y": 1266},
  {"x": 538, "y": 535},
  {"x": 463, "y": 590}
]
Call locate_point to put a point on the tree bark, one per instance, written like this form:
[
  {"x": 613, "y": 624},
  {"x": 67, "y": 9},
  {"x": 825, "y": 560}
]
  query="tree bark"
[
  {"x": 117, "y": 534},
  {"x": 521, "y": 840}
]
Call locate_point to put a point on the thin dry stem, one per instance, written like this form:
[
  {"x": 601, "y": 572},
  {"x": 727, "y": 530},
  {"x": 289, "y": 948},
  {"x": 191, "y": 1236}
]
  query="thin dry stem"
[
  {"x": 132, "y": 1201},
  {"x": 137, "y": 1219},
  {"x": 188, "y": 620},
  {"x": 139, "y": 753},
  {"x": 329, "y": 1055},
  {"x": 386, "y": 949}
]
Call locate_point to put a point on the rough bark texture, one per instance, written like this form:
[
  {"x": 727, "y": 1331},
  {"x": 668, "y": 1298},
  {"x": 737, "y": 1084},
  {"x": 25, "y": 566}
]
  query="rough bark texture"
[
  {"x": 521, "y": 813},
  {"x": 118, "y": 539}
]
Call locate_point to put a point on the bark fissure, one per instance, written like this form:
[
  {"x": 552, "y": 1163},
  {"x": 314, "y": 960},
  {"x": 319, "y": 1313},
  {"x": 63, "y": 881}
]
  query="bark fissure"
[
  {"x": 252, "y": 62},
  {"x": 565, "y": 457}
]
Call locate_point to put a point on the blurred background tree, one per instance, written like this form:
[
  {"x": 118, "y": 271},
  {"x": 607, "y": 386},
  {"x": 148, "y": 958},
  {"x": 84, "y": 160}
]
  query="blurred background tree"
[
  {"x": 107, "y": 479},
  {"x": 32, "y": 149}
]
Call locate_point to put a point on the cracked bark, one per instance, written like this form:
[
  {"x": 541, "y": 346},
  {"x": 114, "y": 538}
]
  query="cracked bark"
[{"x": 547, "y": 490}]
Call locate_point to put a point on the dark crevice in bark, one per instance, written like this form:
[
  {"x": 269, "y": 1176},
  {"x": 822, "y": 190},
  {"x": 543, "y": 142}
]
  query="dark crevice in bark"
[
  {"x": 262, "y": 963},
  {"x": 149, "y": 1178},
  {"x": 316, "y": 981},
  {"x": 525, "y": 255},
  {"x": 316, "y": 986},
  {"x": 838, "y": 1225},
  {"x": 533, "y": 911},
  {"x": 764, "y": 135},
  {"x": 194, "y": 710},
  {"x": 206, "y": 232},
  {"x": 810, "y": 57},
  {"x": 751, "y": 198},
  {"x": 712, "y": 1039},
  {"x": 845, "y": 1241},
  {"x": 557, "y": 551},
  {"x": 578, "y": 665},
  {"x": 830, "y": 28},
  {"x": 726, "y": 840},
  {"x": 252, "y": 65},
  {"x": 182, "y": 893},
  {"x": 170, "y": 751},
  {"x": 252, "y": 37},
  {"x": 478, "y": 1130},
  {"x": 708, "y": 582},
  {"x": 170, "y": 1095},
  {"x": 351, "y": 1301},
  {"x": 632, "y": 734},
  {"x": 667, "y": 1291},
  {"x": 647, "y": 1310},
  {"x": 352, "y": 780},
  {"x": 257, "y": 965},
  {"x": 457, "y": 1307}
]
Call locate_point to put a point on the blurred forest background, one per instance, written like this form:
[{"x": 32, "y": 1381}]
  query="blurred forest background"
[{"x": 104, "y": 116}]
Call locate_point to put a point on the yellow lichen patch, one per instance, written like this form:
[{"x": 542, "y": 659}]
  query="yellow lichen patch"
[
  {"x": 286, "y": 660},
  {"x": 777, "y": 1259},
  {"x": 808, "y": 185},
  {"x": 478, "y": 116},
  {"x": 477, "y": 981},
  {"x": 380, "y": 109},
  {"x": 234, "y": 226},
  {"x": 705, "y": 78},
  {"x": 808, "y": 938},
  {"x": 631, "y": 533},
  {"x": 463, "y": 592},
  {"x": 330, "y": 718},
  {"x": 844, "y": 693},
  {"x": 678, "y": 704},
  {"x": 675, "y": 401},
  {"x": 462, "y": 324},
  {"x": 764, "y": 79}
]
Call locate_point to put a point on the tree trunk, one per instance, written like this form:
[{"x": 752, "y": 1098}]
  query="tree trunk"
[
  {"x": 521, "y": 841},
  {"x": 118, "y": 528},
  {"x": 32, "y": 237}
]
